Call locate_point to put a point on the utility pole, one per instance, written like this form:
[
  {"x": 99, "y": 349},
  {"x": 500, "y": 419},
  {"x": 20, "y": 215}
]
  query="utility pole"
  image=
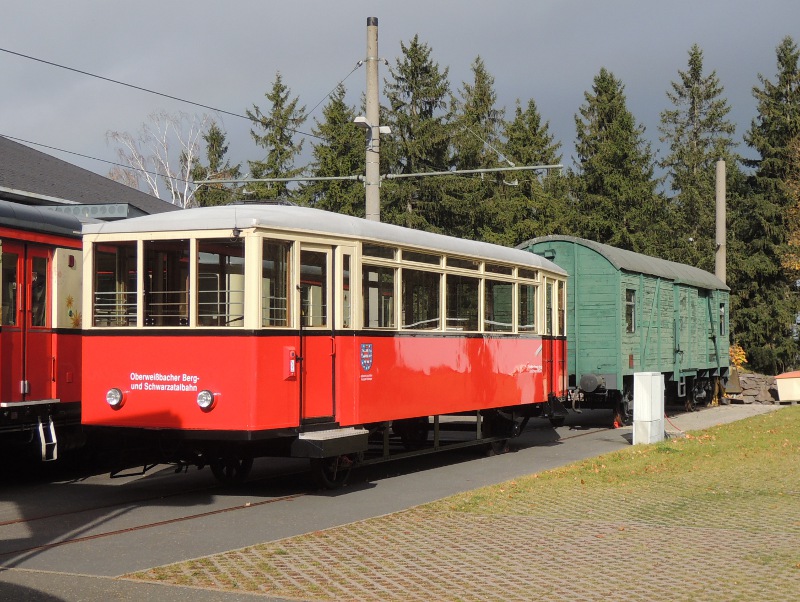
[
  {"x": 372, "y": 182},
  {"x": 720, "y": 258}
]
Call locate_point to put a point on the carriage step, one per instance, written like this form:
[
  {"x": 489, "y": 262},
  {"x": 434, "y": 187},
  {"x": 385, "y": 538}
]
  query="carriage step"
[
  {"x": 331, "y": 442},
  {"x": 47, "y": 438}
]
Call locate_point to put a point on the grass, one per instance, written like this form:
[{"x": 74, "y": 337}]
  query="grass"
[{"x": 744, "y": 461}]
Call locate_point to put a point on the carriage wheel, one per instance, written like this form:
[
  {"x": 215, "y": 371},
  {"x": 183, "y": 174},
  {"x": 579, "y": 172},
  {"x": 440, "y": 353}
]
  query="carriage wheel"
[
  {"x": 231, "y": 470},
  {"x": 331, "y": 473}
]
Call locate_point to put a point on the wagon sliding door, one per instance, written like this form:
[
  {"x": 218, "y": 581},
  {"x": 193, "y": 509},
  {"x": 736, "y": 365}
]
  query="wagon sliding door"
[
  {"x": 316, "y": 333},
  {"x": 27, "y": 336}
]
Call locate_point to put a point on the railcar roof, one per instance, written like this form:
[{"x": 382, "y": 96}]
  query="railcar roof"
[
  {"x": 638, "y": 263},
  {"x": 318, "y": 222},
  {"x": 38, "y": 219}
]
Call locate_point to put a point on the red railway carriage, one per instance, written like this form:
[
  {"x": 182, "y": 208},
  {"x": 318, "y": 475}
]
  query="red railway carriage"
[
  {"x": 40, "y": 336},
  {"x": 238, "y": 331}
]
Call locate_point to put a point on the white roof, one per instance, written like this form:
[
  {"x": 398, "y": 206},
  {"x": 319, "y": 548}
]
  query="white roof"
[{"x": 304, "y": 219}]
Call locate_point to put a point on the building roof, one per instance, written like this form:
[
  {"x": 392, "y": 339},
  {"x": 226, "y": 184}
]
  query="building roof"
[
  {"x": 32, "y": 177},
  {"x": 304, "y": 219},
  {"x": 638, "y": 263}
]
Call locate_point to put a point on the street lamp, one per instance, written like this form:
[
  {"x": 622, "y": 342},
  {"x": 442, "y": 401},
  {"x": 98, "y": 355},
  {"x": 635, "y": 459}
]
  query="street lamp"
[{"x": 362, "y": 122}]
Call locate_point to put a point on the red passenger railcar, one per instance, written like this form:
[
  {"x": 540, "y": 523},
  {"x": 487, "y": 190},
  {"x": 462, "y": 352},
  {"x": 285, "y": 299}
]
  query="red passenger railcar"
[
  {"x": 232, "y": 332},
  {"x": 40, "y": 332}
]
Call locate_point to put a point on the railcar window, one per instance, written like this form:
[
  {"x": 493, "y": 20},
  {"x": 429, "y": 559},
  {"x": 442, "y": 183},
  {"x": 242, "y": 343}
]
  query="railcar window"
[
  {"x": 464, "y": 264},
  {"x": 275, "y": 283},
  {"x": 166, "y": 294},
  {"x": 493, "y": 268},
  {"x": 498, "y": 306},
  {"x": 347, "y": 321},
  {"x": 562, "y": 303},
  {"x": 39, "y": 291},
  {"x": 115, "y": 300},
  {"x": 377, "y": 288},
  {"x": 422, "y": 257},
  {"x": 527, "y": 308},
  {"x": 380, "y": 251},
  {"x": 528, "y": 274},
  {"x": 421, "y": 299},
  {"x": 630, "y": 310},
  {"x": 548, "y": 308},
  {"x": 462, "y": 302},
  {"x": 9, "y": 284},
  {"x": 314, "y": 288},
  {"x": 220, "y": 282}
]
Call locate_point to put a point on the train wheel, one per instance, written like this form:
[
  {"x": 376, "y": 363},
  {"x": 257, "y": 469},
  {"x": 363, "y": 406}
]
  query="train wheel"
[
  {"x": 331, "y": 473},
  {"x": 623, "y": 409},
  {"x": 231, "y": 470},
  {"x": 557, "y": 421}
]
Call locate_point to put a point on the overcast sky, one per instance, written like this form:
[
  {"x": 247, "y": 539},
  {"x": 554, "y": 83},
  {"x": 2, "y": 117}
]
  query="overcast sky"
[{"x": 226, "y": 55}]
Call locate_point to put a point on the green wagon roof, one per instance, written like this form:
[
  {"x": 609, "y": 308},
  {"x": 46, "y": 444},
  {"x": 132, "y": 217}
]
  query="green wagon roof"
[{"x": 638, "y": 263}]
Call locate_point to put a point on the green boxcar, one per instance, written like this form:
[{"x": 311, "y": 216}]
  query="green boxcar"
[{"x": 628, "y": 313}]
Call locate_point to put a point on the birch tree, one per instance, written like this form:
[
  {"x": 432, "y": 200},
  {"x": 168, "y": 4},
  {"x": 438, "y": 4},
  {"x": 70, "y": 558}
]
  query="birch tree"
[{"x": 161, "y": 156}]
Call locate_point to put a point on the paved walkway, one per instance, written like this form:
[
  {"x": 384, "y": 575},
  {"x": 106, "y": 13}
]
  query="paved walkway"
[{"x": 644, "y": 544}]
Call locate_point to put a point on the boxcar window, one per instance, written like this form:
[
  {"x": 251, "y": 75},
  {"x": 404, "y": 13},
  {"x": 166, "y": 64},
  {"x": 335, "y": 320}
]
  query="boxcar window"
[
  {"x": 275, "y": 283},
  {"x": 10, "y": 288},
  {"x": 630, "y": 310},
  {"x": 377, "y": 288},
  {"x": 462, "y": 302},
  {"x": 722, "y": 326},
  {"x": 421, "y": 299},
  {"x": 314, "y": 288},
  {"x": 166, "y": 294},
  {"x": 527, "y": 307},
  {"x": 115, "y": 300},
  {"x": 498, "y": 306},
  {"x": 220, "y": 282}
]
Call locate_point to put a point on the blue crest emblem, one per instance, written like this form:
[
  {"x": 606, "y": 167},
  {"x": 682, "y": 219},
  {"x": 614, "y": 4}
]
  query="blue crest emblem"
[{"x": 366, "y": 356}]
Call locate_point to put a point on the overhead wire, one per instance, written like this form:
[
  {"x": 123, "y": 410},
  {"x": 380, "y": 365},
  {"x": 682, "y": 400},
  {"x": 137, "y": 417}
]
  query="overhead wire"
[
  {"x": 157, "y": 93},
  {"x": 170, "y": 96}
]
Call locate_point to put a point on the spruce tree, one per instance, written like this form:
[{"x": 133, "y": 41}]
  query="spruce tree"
[
  {"x": 275, "y": 131},
  {"x": 417, "y": 92},
  {"x": 339, "y": 152},
  {"x": 698, "y": 134},
  {"x": 471, "y": 203},
  {"x": 539, "y": 200},
  {"x": 764, "y": 295},
  {"x": 217, "y": 168},
  {"x": 615, "y": 188}
]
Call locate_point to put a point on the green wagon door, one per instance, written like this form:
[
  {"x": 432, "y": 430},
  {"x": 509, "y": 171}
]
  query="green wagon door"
[{"x": 681, "y": 336}]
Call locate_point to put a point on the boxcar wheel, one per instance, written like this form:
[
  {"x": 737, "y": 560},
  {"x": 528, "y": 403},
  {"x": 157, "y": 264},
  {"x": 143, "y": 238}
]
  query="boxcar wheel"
[
  {"x": 231, "y": 470},
  {"x": 331, "y": 473}
]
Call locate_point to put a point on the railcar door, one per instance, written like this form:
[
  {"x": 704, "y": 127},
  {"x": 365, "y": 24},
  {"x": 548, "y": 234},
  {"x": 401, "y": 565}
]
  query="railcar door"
[
  {"x": 317, "y": 350},
  {"x": 26, "y": 336}
]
